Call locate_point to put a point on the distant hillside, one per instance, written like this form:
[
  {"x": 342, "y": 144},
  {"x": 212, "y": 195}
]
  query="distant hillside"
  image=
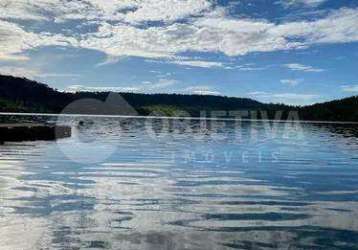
[
  {"x": 28, "y": 95},
  {"x": 23, "y": 95},
  {"x": 338, "y": 110},
  {"x": 31, "y": 96}
]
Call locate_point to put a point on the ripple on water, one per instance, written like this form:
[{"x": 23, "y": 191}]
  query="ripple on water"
[{"x": 149, "y": 194}]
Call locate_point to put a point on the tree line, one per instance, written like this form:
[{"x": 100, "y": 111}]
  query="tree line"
[{"x": 23, "y": 95}]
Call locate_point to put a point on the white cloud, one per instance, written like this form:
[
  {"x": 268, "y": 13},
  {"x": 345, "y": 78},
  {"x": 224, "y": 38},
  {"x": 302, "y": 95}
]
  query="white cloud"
[
  {"x": 15, "y": 40},
  {"x": 184, "y": 61},
  {"x": 5, "y": 57},
  {"x": 31, "y": 73},
  {"x": 162, "y": 83},
  {"x": 131, "y": 11},
  {"x": 312, "y": 2},
  {"x": 201, "y": 90},
  {"x": 19, "y": 71},
  {"x": 82, "y": 88},
  {"x": 287, "y": 98},
  {"x": 309, "y": 3},
  {"x": 338, "y": 27},
  {"x": 350, "y": 88},
  {"x": 21, "y": 9},
  {"x": 207, "y": 29},
  {"x": 109, "y": 60},
  {"x": 291, "y": 82},
  {"x": 47, "y": 75},
  {"x": 144, "y": 87},
  {"x": 200, "y": 64},
  {"x": 167, "y": 10},
  {"x": 247, "y": 67},
  {"x": 301, "y": 67},
  {"x": 232, "y": 37}
]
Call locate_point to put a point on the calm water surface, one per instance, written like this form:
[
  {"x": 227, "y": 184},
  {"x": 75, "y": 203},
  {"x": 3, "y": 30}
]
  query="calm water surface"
[{"x": 131, "y": 187}]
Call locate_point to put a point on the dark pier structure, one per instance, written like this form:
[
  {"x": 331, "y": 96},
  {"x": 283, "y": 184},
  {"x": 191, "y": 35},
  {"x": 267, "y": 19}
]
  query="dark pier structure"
[{"x": 32, "y": 132}]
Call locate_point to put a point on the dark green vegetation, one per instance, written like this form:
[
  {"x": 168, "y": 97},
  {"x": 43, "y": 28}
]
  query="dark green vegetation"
[
  {"x": 338, "y": 110},
  {"x": 32, "y": 132},
  {"x": 23, "y": 95}
]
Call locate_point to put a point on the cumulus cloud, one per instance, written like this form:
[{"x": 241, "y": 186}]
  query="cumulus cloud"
[
  {"x": 15, "y": 40},
  {"x": 350, "y": 88},
  {"x": 20, "y": 9},
  {"x": 123, "y": 28},
  {"x": 168, "y": 10},
  {"x": 132, "y": 11},
  {"x": 12, "y": 40},
  {"x": 302, "y": 67},
  {"x": 229, "y": 36}
]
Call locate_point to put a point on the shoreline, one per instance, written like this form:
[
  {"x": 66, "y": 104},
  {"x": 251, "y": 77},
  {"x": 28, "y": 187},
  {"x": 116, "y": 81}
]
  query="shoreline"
[
  {"x": 177, "y": 118},
  {"x": 17, "y": 132}
]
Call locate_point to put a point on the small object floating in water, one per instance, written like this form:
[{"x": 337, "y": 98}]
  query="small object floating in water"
[
  {"x": 32, "y": 132},
  {"x": 84, "y": 123}
]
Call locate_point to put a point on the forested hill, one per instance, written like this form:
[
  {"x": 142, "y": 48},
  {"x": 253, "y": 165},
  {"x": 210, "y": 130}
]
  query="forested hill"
[
  {"x": 20, "y": 94},
  {"x": 338, "y": 110},
  {"x": 23, "y": 95}
]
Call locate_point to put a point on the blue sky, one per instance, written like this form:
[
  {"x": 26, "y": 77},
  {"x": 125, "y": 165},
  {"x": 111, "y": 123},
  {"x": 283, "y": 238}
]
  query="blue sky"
[{"x": 291, "y": 51}]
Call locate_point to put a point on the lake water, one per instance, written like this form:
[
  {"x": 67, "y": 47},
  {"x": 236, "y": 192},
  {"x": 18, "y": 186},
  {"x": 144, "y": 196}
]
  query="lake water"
[{"x": 135, "y": 184}]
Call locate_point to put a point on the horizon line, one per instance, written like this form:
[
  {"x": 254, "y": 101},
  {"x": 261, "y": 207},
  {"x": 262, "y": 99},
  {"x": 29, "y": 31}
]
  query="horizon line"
[{"x": 178, "y": 118}]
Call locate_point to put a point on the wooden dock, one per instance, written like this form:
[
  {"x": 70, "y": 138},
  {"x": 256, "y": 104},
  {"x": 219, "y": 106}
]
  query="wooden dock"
[{"x": 32, "y": 132}]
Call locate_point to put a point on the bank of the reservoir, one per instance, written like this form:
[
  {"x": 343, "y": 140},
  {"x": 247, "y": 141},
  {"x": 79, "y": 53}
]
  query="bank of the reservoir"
[{"x": 32, "y": 132}]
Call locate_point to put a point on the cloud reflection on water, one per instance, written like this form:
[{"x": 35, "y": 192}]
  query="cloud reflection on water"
[{"x": 143, "y": 198}]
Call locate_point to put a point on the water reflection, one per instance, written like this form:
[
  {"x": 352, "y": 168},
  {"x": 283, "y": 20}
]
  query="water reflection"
[{"x": 180, "y": 190}]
